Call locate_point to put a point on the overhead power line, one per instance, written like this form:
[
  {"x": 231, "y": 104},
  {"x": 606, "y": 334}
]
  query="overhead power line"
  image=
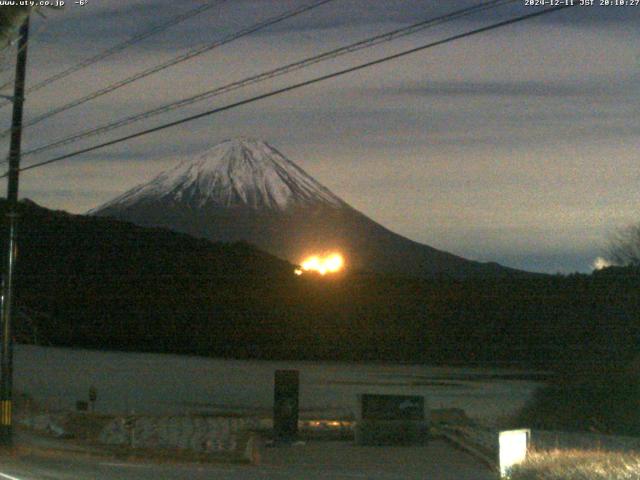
[
  {"x": 122, "y": 46},
  {"x": 297, "y": 86},
  {"x": 354, "y": 47},
  {"x": 181, "y": 58}
]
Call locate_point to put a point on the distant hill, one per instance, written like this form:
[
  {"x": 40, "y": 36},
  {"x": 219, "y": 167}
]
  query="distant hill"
[
  {"x": 65, "y": 244},
  {"x": 101, "y": 283},
  {"x": 246, "y": 190}
]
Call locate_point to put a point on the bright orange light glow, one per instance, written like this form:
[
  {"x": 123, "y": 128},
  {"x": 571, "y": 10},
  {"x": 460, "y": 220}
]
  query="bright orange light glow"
[{"x": 323, "y": 264}]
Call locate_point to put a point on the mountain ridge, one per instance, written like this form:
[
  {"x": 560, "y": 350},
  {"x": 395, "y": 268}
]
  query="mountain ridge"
[{"x": 245, "y": 190}]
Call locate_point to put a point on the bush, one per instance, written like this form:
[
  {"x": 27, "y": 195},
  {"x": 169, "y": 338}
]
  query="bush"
[{"x": 604, "y": 401}]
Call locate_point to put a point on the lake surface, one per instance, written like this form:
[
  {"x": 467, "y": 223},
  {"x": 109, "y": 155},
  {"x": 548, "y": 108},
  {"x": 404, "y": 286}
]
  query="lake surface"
[{"x": 173, "y": 384}]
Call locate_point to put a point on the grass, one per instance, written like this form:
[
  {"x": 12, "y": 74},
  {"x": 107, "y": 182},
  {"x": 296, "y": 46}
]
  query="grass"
[{"x": 578, "y": 465}]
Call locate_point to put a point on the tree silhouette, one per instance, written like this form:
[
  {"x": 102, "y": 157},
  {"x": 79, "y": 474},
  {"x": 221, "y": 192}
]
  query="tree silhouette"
[
  {"x": 11, "y": 17},
  {"x": 624, "y": 246}
]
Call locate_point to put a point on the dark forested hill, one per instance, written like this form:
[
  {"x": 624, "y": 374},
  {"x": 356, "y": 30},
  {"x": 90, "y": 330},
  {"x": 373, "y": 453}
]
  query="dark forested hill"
[{"x": 100, "y": 283}]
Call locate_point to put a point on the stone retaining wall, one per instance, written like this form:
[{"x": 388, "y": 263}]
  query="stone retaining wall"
[{"x": 194, "y": 433}]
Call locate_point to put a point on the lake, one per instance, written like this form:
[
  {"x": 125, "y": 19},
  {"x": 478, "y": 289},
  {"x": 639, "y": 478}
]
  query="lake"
[{"x": 173, "y": 384}]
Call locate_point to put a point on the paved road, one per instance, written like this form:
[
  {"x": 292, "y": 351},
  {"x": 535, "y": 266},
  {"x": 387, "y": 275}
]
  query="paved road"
[{"x": 313, "y": 461}]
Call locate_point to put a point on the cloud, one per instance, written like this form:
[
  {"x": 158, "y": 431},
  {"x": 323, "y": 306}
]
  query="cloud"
[
  {"x": 519, "y": 145},
  {"x": 522, "y": 89}
]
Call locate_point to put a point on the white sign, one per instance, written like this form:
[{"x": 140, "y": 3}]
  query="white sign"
[{"x": 513, "y": 449}]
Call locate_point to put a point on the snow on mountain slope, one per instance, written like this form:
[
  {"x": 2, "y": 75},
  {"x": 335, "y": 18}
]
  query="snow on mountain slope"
[{"x": 237, "y": 172}]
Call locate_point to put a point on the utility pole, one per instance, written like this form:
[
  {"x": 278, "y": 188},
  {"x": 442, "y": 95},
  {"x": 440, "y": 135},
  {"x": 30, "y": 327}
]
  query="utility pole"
[{"x": 6, "y": 353}]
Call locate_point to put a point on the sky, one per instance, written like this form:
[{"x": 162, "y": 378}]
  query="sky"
[{"x": 517, "y": 145}]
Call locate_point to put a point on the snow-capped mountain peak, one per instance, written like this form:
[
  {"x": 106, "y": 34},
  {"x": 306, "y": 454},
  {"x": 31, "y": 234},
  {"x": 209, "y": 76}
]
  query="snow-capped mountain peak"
[
  {"x": 239, "y": 172},
  {"x": 245, "y": 190}
]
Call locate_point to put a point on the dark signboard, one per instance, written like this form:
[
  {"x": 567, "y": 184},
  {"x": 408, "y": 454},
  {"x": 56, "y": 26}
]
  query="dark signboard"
[{"x": 392, "y": 407}]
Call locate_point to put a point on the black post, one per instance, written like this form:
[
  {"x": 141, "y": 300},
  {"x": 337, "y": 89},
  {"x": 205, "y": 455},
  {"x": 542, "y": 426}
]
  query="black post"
[
  {"x": 6, "y": 354},
  {"x": 285, "y": 404}
]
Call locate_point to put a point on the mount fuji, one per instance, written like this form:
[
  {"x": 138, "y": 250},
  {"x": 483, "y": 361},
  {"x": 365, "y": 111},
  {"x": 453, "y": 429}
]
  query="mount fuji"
[{"x": 246, "y": 190}]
